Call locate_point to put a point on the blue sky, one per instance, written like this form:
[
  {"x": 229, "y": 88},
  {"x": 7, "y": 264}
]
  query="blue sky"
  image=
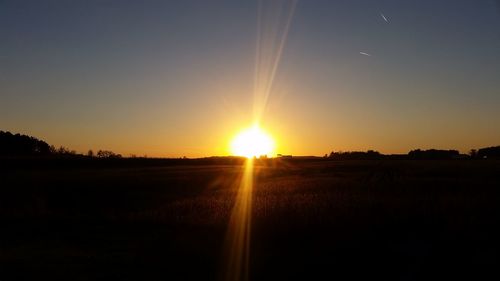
[{"x": 174, "y": 78}]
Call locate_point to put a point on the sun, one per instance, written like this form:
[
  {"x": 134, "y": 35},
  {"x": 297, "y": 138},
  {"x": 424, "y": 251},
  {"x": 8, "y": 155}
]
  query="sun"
[{"x": 252, "y": 142}]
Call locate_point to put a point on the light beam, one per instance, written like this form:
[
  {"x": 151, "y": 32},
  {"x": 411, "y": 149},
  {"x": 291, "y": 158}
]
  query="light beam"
[{"x": 273, "y": 23}]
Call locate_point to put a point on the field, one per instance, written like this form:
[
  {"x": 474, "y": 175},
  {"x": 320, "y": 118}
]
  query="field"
[{"x": 311, "y": 219}]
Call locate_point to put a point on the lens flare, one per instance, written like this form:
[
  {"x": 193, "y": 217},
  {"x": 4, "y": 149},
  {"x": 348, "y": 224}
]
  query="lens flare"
[
  {"x": 252, "y": 142},
  {"x": 238, "y": 235},
  {"x": 273, "y": 23}
]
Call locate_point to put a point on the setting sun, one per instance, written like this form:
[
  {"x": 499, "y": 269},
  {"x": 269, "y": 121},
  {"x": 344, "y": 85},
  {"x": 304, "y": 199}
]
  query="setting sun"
[{"x": 252, "y": 142}]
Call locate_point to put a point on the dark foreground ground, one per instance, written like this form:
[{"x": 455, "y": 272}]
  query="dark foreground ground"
[{"x": 311, "y": 220}]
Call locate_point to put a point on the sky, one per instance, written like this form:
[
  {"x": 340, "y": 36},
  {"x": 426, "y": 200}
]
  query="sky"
[{"x": 181, "y": 78}]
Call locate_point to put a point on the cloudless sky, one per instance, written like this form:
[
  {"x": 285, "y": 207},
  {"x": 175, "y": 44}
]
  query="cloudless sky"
[{"x": 175, "y": 78}]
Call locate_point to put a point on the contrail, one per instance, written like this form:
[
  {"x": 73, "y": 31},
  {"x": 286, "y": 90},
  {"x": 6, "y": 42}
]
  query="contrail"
[
  {"x": 365, "y": 54},
  {"x": 386, "y": 20}
]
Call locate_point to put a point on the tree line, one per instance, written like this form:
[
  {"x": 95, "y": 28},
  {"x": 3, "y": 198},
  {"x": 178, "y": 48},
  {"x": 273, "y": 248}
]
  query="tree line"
[
  {"x": 418, "y": 154},
  {"x": 17, "y": 144},
  {"x": 23, "y": 145}
]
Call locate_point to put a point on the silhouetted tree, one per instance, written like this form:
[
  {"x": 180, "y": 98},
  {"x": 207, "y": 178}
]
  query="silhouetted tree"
[
  {"x": 356, "y": 155},
  {"x": 107, "y": 154},
  {"x": 17, "y": 144},
  {"x": 63, "y": 150},
  {"x": 473, "y": 153},
  {"x": 433, "y": 154},
  {"x": 489, "y": 152},
  {"x": 90, "y": 153}
]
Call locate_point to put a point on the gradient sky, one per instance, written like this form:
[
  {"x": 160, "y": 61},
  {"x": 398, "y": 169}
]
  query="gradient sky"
[{"x": 175, "y": 78}]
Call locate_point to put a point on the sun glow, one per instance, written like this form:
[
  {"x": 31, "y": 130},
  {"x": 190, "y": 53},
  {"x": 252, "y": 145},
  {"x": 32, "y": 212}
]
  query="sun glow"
[{"x": 252, "y": 142}]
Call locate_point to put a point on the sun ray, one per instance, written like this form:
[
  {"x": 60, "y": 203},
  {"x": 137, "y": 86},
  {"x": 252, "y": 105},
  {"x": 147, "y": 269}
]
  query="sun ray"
[
  {"x": 238, "y": 234},
  {"x": 273, "y": 23}
]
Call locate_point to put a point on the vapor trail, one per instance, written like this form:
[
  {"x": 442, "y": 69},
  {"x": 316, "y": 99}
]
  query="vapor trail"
[
  {"x": 365, "y": 54},
  {"x": 384, "y": 17}
]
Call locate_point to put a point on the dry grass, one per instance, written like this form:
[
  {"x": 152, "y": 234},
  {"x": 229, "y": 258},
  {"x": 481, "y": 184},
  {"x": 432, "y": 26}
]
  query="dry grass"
[{"x": 305, "y": 214}]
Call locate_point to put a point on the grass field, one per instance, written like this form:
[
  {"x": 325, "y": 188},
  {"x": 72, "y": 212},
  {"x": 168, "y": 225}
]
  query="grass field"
[{"x": 311, "y": 219}]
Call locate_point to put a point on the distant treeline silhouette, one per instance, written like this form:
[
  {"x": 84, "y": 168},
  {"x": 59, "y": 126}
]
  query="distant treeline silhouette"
[
  {"x": 356, "y": 155},
  {"x": 433, "y": 154},
  {"x": 104, "y": 154},
  {"x": 418, "y": 154},
  {"x": 23, "y": 145},
  {"x": 488, "y": 152}
]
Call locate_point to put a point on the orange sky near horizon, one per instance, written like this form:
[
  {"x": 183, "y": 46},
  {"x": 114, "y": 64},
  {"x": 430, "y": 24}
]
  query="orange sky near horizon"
[{"x": 182, "y": 78}]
